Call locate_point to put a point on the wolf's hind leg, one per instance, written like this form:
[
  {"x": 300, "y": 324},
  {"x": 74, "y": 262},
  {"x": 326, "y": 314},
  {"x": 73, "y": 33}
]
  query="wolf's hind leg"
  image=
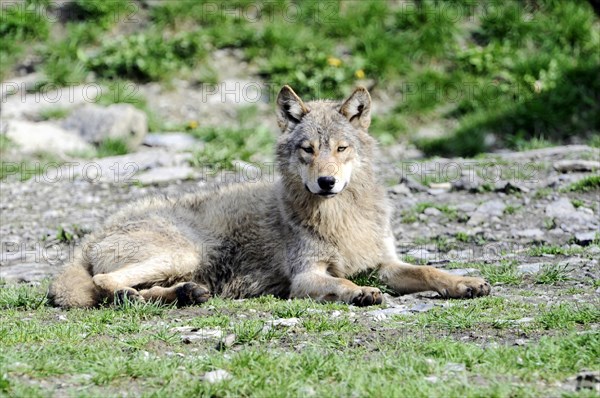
[
  {"x": 406, "y": 278},
  {"x": 156, "y": 271},
  {"x": 184, "y": 293}
]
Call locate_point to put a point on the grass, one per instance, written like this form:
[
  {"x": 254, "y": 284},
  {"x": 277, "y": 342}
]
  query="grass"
[
  {"x": 135, "y": 348},
  {"x": 554, "y": 250},
  {"x": 505, "y": 272},
  {"x": 516, "y": 71},
  {"x": 552, "y": 274},
  {"x": 410, "y": 216},
  {"x": 370, "y": 278},
  {"x": 112, "y": 147},
  {"x": 225, "y": 145},
  {"x": 586, "y": 184},
  {"x": 510, "y": 209},
  {"x": 54, "y": 113}
]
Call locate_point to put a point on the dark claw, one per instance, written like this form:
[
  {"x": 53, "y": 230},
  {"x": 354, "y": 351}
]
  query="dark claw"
[{"x": 125, "y": 295}]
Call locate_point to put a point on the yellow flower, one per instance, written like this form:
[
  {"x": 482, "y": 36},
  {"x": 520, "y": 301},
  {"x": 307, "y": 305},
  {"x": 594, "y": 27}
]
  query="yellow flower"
[
  {"x": 360, "y": 74},
  {"x": 333, "y": 61},
  {"x": 192, "y": 124}
]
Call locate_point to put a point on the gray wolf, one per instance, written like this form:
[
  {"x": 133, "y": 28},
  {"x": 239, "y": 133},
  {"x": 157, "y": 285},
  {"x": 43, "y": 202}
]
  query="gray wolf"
[{"x": 325, "y": 218}]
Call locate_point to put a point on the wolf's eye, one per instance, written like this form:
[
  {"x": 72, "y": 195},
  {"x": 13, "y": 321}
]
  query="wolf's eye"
[
  {"x": 342, "y": 148},
  {"x": 307, "y": 149}
]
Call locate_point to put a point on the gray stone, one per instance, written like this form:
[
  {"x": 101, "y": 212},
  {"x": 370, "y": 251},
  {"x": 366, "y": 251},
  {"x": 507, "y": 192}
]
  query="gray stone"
[
  {"x": 432, "y": 211},
  {"x": 585, "y": 238},
  {"x": 532, "y": 268},
  {"x": 286, "y": 322},
  {"x": 421, "y": 307},
  {"x": 216, "y": 376},
  {"x": 172, "y": 141},
  {"x": 535, "y": 234},
  {"x": 568, "y": 217},
  {"x": 588, "y": 380},
  {"x": 466, "y": 207},
  {"x": 566, "y": 165},
  {"x": 455, "y": 367},
  {"x": 477, "y": 219},
  {"x": 167, "y": 174},
  {"x": 492, "y": 208},
  {"x": 43, "y": 137},
  {"x": 464, "y": 271},
  {"x": 400, "y": 189},
  {"x": 195, "y": 334},
  {"x": 28, "y": 272},
  {"x": 384, "y": 313},
  {"x": 444, "y": 186},
  {"x": 95, "y": 123},
  {"x": 470, "y": 182},
  {"x": 524, "y": 320},
  {"x": 413, "y": 185},
  {"x": 125, "y": 169},
  {"x": 436, "y": 191},
  {"x": 30, "y": 106},
  {"x": 508, "y": 187}
]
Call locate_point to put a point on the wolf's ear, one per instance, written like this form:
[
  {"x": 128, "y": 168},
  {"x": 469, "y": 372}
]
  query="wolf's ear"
[
  {"x": 290, "y": 108},
  {"x": 357, "y": 108}
]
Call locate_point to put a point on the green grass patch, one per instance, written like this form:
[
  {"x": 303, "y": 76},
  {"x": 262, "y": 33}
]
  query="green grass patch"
[
  {"x": 54, "y": 113},
  {"x": 504, "y": 272},
  {"x": 567, "y": 316},
  {"x": 370, "y": 278},
  {"x": 223, "y": 146},
  {"x": 586, "y": 184},
  {"x": 135, "y": 347},
  {"x": 410, "y": 216},
  {"x": 112, "y": 147},
  {"x": 552, "y": 274},
  {"x": 538, "y": 251}
]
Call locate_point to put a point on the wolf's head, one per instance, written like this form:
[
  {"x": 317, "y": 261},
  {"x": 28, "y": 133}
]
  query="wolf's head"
[{"x": 323, "y": 142}]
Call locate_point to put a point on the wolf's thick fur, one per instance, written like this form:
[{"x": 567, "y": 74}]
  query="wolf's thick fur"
[{"x": 324, "y": 219}]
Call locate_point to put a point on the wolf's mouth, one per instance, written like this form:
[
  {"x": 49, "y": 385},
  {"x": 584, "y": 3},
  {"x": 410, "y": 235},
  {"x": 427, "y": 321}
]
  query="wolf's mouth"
[{"x": 327, "y": 194}]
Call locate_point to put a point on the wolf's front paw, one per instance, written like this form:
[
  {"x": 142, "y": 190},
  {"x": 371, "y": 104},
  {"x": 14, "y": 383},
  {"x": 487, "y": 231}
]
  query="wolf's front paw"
[
  {"x": 466, "y": 287},
  {"x": 367, "y": 296},
  {"x": 128, "y": 295},
  {"x": 191, "y": 293}
]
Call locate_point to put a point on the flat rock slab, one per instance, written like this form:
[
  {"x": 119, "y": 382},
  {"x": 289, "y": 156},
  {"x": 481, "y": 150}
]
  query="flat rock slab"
[
  {"x": 125, "y": 169},
  {"x": 95, "y": 123},
  {"x": 172, "y": 141},
  {"x": 569, "y": 218},
  {"x": 28, "y": 272},
  {"x": 167, "y": 174},
  {"x": 565, "y": 166},
  {"x": 400, "y": 310},
  {"x": 43, "y": 137}
]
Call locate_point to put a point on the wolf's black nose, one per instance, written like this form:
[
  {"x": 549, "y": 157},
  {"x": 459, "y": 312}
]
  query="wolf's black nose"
[{"x": 326, "y": 183}]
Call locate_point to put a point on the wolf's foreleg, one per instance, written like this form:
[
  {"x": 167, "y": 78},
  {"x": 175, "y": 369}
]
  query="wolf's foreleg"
[
  {"x": 406, "y": 278},
  {"x": 323, "y": 287}
]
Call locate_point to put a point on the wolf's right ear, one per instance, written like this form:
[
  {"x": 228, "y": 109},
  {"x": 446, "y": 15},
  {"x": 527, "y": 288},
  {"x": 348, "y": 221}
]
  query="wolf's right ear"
[
  {"x": 290, "y": 108},
  {"x": 357, "y": 108}
]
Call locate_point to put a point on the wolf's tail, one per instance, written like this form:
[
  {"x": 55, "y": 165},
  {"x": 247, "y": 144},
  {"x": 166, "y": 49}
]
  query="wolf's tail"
[{"x": 74, "y": 287}]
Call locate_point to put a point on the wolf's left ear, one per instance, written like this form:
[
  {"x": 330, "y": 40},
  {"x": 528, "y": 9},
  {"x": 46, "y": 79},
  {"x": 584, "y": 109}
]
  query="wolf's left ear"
[
  {"x": 290, "y": 109},
  {"x": 357, "y": 108}
]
